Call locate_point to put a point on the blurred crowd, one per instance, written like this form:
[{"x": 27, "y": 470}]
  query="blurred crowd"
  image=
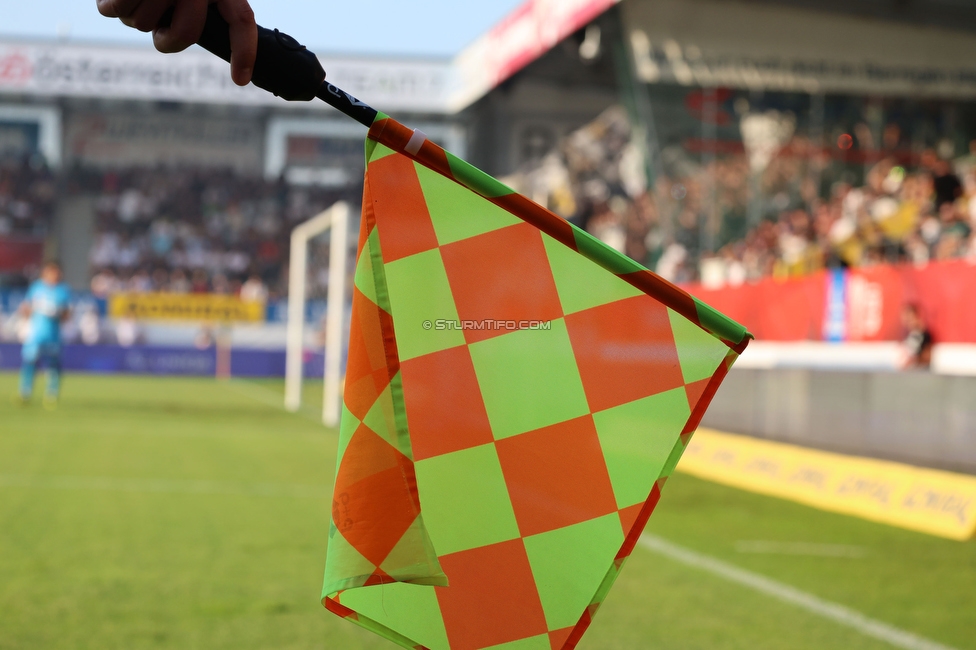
[
  {"x": 897, "y": 215},
  {"x": 718, "y": 218},
  {"x": 196, "y": 231},
  {"x": 27, "y": 196},
  {"x": 722, "y": 221}
]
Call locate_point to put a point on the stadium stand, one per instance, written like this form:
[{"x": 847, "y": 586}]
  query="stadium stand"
[
  {"x": 197, "y": 230},
  {"x": 915, "y": 212},
  {"x": 28, "y": 191},
  {"x": 210, "y": 230}
]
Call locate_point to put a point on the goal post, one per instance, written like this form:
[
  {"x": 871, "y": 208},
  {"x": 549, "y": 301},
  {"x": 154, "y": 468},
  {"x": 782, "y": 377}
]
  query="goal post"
[{"x": 335, "y": 219}]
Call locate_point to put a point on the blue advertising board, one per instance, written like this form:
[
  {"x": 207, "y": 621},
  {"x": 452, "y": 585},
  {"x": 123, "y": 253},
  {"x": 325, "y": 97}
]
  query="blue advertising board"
[{"x": 169, "y": 360}]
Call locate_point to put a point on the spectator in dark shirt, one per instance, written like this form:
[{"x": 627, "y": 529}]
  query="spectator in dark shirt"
[
  {"x": 948, "y": 187},
  {"x": 918, "y": 341}
]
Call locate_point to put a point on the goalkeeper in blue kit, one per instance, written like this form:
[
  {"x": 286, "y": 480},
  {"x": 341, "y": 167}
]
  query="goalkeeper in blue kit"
[{"x": 47, "y": 304}]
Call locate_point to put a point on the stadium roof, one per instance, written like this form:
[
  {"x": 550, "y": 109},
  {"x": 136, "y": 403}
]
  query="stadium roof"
[
  {"x": 910, "y": 47},
  {"x": 950, "y": 14},
  {"x": 787, "y": 46},
  {"x": 884, "y": 47}
]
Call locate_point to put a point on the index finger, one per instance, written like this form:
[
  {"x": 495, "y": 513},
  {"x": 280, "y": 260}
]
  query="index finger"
[
  {"x": 243, "y": 38},
  {"x": 185, "y": 27},
  {"x": 116, "y": 8}
]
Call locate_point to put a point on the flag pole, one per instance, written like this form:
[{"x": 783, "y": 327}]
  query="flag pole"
[{"x": 285, "y": 68}]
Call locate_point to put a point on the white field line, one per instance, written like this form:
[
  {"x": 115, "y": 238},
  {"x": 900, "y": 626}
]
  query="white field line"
[
  {"x": 785, "y": 593},
  {"x": 165, "y": 486},
  {"x": 799, "y": 548},
  {"x": 269, "y": 397}
]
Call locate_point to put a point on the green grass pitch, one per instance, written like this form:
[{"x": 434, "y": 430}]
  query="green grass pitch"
[{"x": 191, "y": 513}]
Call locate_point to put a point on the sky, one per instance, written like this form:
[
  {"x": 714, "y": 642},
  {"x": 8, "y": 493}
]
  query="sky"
[{"x": 423, "y": 27}]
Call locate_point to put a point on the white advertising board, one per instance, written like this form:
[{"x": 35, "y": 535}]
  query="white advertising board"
[
  {"x": 112, "y": 139},
  {"x": 81, "y": 70}
]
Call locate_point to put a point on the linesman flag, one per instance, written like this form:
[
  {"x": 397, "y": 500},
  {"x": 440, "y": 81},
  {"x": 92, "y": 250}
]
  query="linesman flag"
[{"x": 517, "y": 394}]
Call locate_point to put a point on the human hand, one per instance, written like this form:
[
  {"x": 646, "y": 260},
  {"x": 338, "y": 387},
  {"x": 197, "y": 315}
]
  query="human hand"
[{"x": 185, "y": 25}]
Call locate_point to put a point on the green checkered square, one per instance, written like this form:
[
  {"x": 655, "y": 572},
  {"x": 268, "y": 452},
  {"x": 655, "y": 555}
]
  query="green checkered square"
[
  {"x": 465, "y": 500},
  {"x": 457, "y": 212},
  {"x": 582, "y": 283},
  {"x": 410, "y": 610},
  {"x": 405, "y": 564},
  {"x": 637, "y": 439},
  {"x": 382, "y": 419},
  {"x": 676, "y": 453},
  {"x": 375, "y": 150},
  {"x": 569, "y": 565},
  {"x": 386, "y": 422},
  {"x": 348, "y": 423},
  {"x": 420, "y": 294},
  {"x": 364, "y": 277},
  {"x": 529, "y": 379},
  {"x": 700, "y": 353},
  {"x": 612, "y": 573},
  {"x": 540, "y": 642},
  {"x": 351, "y": 561}
]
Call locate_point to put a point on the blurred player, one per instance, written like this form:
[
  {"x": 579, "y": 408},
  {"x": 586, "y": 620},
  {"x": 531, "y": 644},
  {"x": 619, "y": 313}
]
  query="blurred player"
[{"x": 47, "y": 306}]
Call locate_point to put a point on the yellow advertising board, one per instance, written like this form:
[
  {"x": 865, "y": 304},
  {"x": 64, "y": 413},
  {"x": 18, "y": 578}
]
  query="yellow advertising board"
[
  {"x": 185, "y": 307},
  {"x": 927, "y": 500}
]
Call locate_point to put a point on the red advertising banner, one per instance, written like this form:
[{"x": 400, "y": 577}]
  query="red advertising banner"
[
  {"x": 535, "y": 27},
  {"x": 875, "y": 300},
  {"x": 17, "y": 254},
  {"x": 863, "y": 304},
  {"x": 773, "y": 310},
  {"x": 945, "y": 293}
]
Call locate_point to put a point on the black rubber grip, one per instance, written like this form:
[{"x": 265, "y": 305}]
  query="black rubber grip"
[
  {"x": 284, "y": 66},
  {"x": 345, "y": 103}
]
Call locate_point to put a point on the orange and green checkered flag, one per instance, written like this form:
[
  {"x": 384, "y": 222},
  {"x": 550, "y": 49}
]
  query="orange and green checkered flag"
[{"x": 516, "y": 395}]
